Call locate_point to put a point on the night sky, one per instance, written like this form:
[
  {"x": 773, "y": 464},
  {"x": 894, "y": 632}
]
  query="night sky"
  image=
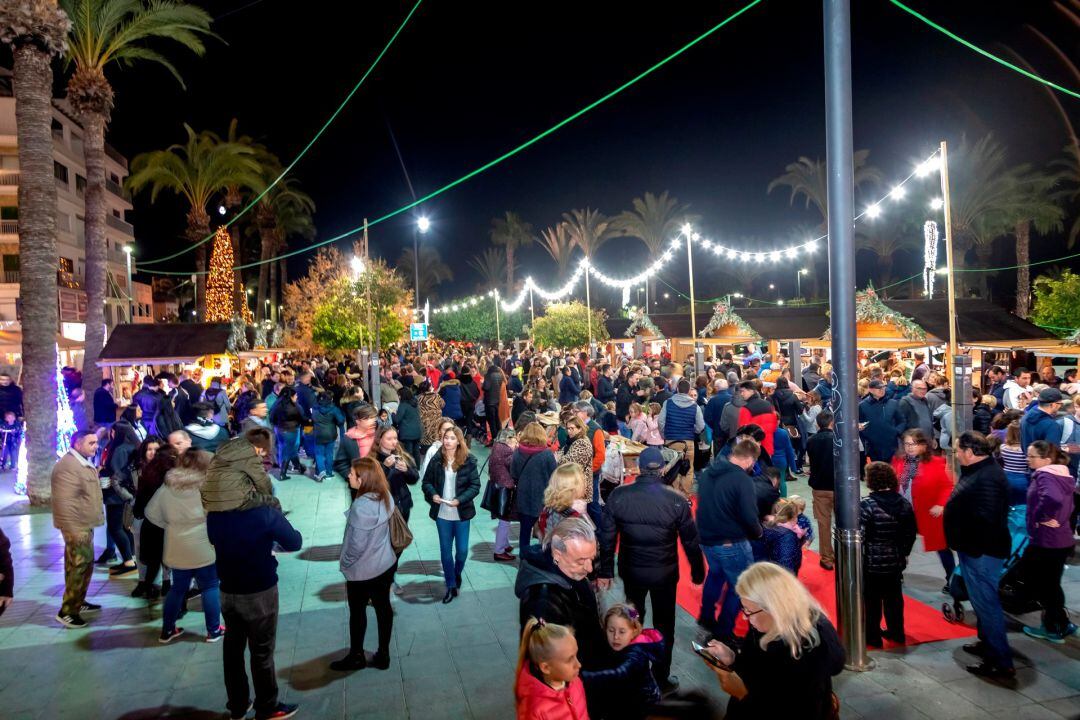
[{"x": 467, "y": 81}]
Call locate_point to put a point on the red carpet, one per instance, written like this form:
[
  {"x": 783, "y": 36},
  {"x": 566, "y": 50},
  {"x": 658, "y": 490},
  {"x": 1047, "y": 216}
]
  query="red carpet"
[{"x": 922, "y": 623}]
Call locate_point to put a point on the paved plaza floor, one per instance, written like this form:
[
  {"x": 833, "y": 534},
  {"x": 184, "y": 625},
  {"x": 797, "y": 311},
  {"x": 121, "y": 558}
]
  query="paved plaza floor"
[{"x": 449, "y": 661}]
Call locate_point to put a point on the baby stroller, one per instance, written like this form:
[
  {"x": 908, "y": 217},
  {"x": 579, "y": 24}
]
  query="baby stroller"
[{"x": 1013, "y": 588}]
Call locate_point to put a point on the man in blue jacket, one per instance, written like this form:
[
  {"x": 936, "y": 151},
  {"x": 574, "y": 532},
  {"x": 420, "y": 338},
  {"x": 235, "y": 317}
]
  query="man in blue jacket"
[
  {"x": 880, "y": 423},
  {"x": 714, "y": 411},
  {"x": 727, "y": 520},
  {"x": 244, "y": 542},
  {"x": 1040, "y": 423}
]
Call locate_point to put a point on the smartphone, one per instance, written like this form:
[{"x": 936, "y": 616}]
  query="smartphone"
[{"x": 703, "y": 652}]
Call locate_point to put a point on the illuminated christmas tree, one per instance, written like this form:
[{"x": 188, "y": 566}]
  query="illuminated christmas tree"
[
  {"x": 65, "y": 428},
  {"x": 219, "y": 284}
]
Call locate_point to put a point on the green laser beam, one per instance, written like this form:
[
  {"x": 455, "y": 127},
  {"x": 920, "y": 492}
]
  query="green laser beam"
[
  {"x": 507, "y": 155},
  {"x": 307, "y": 147},
  {"x": 984, "y": 53}
]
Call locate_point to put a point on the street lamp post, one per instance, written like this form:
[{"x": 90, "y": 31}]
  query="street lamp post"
[
  {"x": 422, "y": 225},
  {"x": 798, "y": 281},
  {"x": 128, "y": 249}
]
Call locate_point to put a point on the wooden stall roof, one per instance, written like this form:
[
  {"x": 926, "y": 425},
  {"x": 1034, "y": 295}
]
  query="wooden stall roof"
[
  {"x": 673, "y": 325},
  {"x": 161, "y": 343},
  {"x": 786, "y": 322},
  {"x": 980, "y": 324}
]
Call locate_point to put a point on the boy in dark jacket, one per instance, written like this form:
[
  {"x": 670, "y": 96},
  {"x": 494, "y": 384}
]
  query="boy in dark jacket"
[
  {"x": 328, "y": 422},
  {"x": 887, "y": 521}
]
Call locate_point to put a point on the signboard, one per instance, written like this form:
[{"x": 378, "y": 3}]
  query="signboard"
[{"x": 418, "y": 332}]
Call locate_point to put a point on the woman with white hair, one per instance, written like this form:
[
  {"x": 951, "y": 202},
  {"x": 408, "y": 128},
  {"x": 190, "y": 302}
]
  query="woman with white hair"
[{"x": 791, "y": 647}]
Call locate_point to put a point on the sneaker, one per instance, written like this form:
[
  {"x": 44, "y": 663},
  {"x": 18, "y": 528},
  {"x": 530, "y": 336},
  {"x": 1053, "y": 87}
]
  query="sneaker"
[
  {"x": 88, "y": 607},
  {"x": 140, "y": 590},
  {"x": 105, "y": 558},
  {"x": 213, "y": 637},
  {"x": 121, "y": 570},
  {"x": 976, "y": 648},
  {"x": 1071, "y": 629},
  {"x": 380, "y": 661},
  {"x": 73, "y": 622},
  {"x": 279, "y": 713},
  {"x": 992, "y": 672},
  {"x": 167, "y": 638},
  {"x": 1041, "y": 633},
  {"x": 349, "y": 663},
  {"x": 320, "y": 477},
  {"x": 241, "y": 716}
]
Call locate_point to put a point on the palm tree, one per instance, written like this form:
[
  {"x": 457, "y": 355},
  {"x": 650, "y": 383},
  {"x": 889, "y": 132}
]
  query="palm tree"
[
  {"x": 197, "y": 170},
  {"x": 809, "y": 178},
  {"x": 588, "y": 229},
  {"x": 103, "y": 33},
  {"x": 655, "y": 220},
  {"x": 883, "y": 242},
  {"x": 1069, "y": 175},
  {"x": 432, "y": 269},
  {"x": 490, "y": 266},
  {"x": 36, "y": 31},
  {"x": 512, "y": 233},
  {"x": 556, "y": 241},
  {"x": 1036, "y": 205},
  {"x": 292, "y": 212}
]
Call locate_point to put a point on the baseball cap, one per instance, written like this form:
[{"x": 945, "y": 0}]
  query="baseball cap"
[
  {"x": 651, "y": 459},
  {"x": 876, "y": 385},
  {"x": 1051, "y": 395}
]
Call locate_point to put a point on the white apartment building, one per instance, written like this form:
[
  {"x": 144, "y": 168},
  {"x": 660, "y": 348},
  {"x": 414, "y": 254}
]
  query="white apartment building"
[{"x": 69, "y": 170}]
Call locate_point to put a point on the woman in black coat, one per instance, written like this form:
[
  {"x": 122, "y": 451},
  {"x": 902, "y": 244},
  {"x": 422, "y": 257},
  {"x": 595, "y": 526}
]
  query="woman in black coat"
[
  {"x": 399, "y": 466},
  {"x": 450, "y": 486},
  {"x": 530, "y": 469},
  {"x": 407, "y": 422}
]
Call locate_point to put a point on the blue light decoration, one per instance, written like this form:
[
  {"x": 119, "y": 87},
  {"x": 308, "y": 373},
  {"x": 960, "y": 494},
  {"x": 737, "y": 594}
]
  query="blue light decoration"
[{"x": 65, "y": 428}]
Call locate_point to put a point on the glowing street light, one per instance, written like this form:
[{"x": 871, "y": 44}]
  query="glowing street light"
[
  {"x": 357, "y": 265},
  {"x": 423, "y": 224}
]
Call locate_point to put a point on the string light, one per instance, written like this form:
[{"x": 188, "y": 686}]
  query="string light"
[{"x": 937, "y": 204}]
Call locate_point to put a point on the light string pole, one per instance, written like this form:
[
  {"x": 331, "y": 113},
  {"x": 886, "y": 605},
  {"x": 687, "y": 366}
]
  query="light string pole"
[
  {"x": 699, "y": 347},
  {"x": 841, "y": 220},
  {"x": 498, "y": 330},
  {"x": 588, "y": 307},
  {"x": 960, "y": 365}
]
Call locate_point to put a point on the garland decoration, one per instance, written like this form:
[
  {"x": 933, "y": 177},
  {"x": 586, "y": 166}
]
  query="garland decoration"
[
  {"x": 723, "y": 315},
  {"x": 642, "y": 321},
  {"x": 870, "y": 309}
]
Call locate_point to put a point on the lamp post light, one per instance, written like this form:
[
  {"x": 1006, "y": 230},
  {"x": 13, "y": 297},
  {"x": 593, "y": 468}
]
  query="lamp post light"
[
  {"x": 423, "y": 224},
  {"x": 250, "y": 292},
  {"x": 128, "y": 249},
  {"x": 798, "y": 281}
]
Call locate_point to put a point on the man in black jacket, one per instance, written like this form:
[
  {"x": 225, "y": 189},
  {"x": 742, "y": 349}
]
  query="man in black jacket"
[
  {"x": 819, "y": 449},
  {"x": 627, "y": 394},
  {"x": 976, "y": 527},
  {"x": 727, "y": 521},
  {"x": 552, "y": 584},
  {"x": 605, "y": 389},
  {"x": 104, "y": 405},
  {"x": 646, "y": 520}
]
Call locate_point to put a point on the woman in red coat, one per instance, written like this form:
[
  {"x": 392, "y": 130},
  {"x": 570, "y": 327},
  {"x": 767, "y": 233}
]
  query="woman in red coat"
[{"x": 926, "y": 482}]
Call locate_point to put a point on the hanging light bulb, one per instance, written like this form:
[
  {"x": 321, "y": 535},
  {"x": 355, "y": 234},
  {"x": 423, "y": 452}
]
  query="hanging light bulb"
[
  {"x": 898, "y": 193},
  {"x": 937, "y": 204},
  {"x": 873, "y": 211}
]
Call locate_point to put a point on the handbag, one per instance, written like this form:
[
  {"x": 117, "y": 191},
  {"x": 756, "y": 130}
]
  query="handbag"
[
  {"x": 793, "y": 431},
  {"x": 500, "y": 501},
  {"x": 400, "y": 534}
]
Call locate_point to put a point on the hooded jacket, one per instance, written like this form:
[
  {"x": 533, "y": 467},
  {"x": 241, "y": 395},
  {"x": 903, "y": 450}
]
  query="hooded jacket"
[
  {"x": 888, "y": 526},
  {"x": 327, "y": 420},
  {"x": 206, "y": 434},
  {"x": 536, "y": 700},
  {"x": 680, "y": 418},
  {"x": 1050, "y": 497},
  {"x": 450, "y": 392},
  {"x": 759, "y": 411},
  {"x": 646, "y": 520},
  {"x": 569, "y": 389},
  {"x": 236, "y": 479},
  {"x": 217, "y": 397},
  {"x": 886, "y": 424},
  {"x": 1012, "y": 392},
  {"x": 628, "y": 690},
  {"x": 177, "y": 508},
  {"x": 729, "y": 416},
  {"x": 366, "y": 551},
  {"x": 407, "y": 421},
  {"x": 1038, "y": 425},
  {"x": 545, "y": 593}
]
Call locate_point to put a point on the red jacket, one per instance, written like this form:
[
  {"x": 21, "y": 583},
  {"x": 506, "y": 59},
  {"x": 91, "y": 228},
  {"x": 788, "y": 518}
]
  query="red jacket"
[
  {"x": 759, "y": 411},
  {"x": 932, "y": 486},
  {"x": 538, "y": 701}
]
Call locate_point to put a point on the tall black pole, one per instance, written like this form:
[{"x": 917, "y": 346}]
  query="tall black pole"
[{"x": 841, "y": 189}]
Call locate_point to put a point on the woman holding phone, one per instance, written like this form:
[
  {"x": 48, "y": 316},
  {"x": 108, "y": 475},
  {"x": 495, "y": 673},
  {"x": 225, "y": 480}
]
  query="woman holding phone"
[
  {"x": 791, "y": 647},
  {"x": 451, "y": 482}
]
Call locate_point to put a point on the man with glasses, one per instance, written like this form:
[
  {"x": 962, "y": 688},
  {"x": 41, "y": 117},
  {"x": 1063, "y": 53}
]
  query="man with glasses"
[
  {"x": 915, "y": 410},
  {"x": 976, "y": 526},
  {"x": 552, "y": 585}
]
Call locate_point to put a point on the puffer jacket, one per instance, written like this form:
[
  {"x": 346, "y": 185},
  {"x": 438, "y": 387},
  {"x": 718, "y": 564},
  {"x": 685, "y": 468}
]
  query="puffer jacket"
[
  {"x": 399, "y": 481},
  {"x": 759, "y": 411},
  {"x": 976, "y": 515},
  {"x": 1050, "y": 497},
  {"x": 780, "y": 545},
  {"x": 530, "y": 470},
  {"x": 176, "y": 508},
  {"x": 327, "y": 420},
  {"x": 236, "y": 478},
  {"x": 407, "y": 421},
  {"x": 646, "y": 521},
  {"x": 536, "y": 700},
  {"x": 787, "y": 405},
  {"x": 887, "y": 521},
  {"x": 286, "y": 416},
  {"x": 450, "y": 392},
  {"x": 628, "y": 689}
]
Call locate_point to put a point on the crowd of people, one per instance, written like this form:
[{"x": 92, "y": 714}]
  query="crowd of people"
[{"x": 606, "y": 468}]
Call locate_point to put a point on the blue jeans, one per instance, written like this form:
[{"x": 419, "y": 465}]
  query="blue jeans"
[
  {"x": 526, "y": 525},
  {"x": 981, "y": 575},
  {"x": 726, "y": 563},
  {"x": 309, "y": 444},
  {"x": 948, "y": 564},
  {"x": 324, "y": 458},
  {"x": 453, "y": 535},
  {"x": 288, "y": 447},
  {"x": 207, "y": 579}
]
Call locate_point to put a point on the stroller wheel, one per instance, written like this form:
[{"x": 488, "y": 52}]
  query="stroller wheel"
[{"x": 947, "y": 611}]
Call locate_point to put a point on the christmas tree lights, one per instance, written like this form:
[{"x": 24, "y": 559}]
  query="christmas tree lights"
[{"x": 219, "y": 284}]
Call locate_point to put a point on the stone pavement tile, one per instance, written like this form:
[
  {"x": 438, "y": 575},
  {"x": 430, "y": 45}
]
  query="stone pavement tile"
[
  {"x": 358, "y": 680},
  {"x": 939, "y": 666},
  {"x": 894, "y": 674},
  {"x": 467, "y": 635},
  {"x": 200, "y": 672},
  {"x": 1065, "y": 671},
  {"x": 849, "y": 713},
  {"x": 328, "y": 702},
  {"x": 857, "y": 684},
  {"x": 937, "y": 702},
  {"x": 376, "y": 701},
  {"x": 1067, "y": 707},
  {"x": 1028, "y": 712},
  {"x": 422, "y": 665},
  {"x": 439, "y": 695},
  {"x": 209, "y": 695},
  {"x": 491, "y": 701},
  {"x": 885, "y": 705},
  {"x": 1038, "y": 686},
  {"x": 986, "y": 694}
]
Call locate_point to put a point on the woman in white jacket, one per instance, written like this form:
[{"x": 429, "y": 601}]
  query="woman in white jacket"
[
  {"x": 368, "y": 563},
  {"x": 177, "y": 508}
]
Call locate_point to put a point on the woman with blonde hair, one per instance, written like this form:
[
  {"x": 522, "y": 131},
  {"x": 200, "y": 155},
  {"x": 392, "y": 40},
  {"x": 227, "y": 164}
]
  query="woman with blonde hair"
[
  {"x": 564, "y": 497},
  {"x": 450, "y": 485},
  {"x": 790, "y": 646}
]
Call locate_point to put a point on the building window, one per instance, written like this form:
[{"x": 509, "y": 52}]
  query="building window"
[
  {"x": 80, "y": 185},
  {"x": 115, "y": 178},
  {"x": 116, "y": 213},
  {"x": 63, "y": 221},
  {"x": 60, "y": 172},
  {"x": 11, "y": 263},
  {"x": 9, "y": 162},
  {"x": 67, "y": 265},
  {"x": 9, "y": 212},
  {"x": 58, "y": 130}
]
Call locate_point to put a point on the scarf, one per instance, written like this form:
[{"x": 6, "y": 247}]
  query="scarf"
[{"x": 911, "y": 466}]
